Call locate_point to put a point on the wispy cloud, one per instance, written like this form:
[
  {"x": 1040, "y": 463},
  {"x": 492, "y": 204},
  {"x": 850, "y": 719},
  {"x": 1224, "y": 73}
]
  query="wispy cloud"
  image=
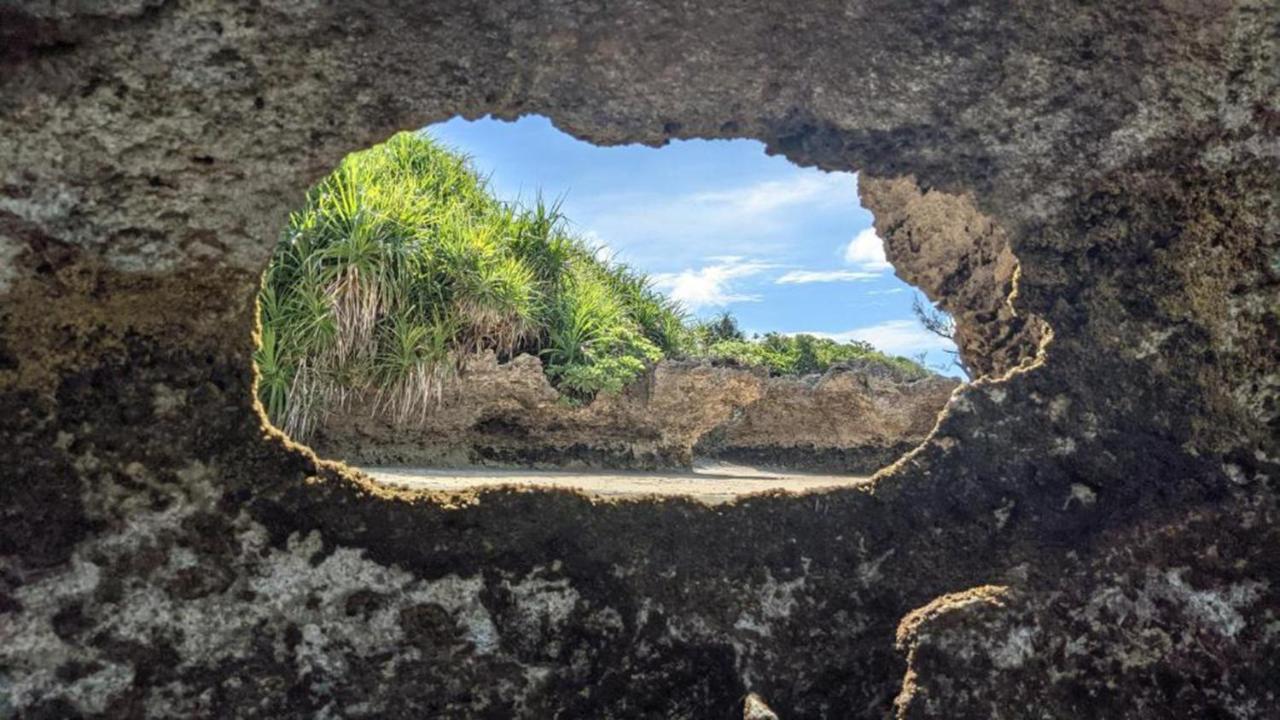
[
  {"x": 802, "y": 277},
  {"x": 897, "y": 337},
  {"x": 889, "y": 291},
  {"x": 770, "y": 196},
  {"x": 866, "y": 250},
  {"x": 752, "y": 218},
  {"x": 711, "y": 285}
]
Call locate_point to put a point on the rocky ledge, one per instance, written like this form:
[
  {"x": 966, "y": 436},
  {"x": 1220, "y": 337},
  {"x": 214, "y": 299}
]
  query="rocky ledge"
[{"x": 850, "y": 419}]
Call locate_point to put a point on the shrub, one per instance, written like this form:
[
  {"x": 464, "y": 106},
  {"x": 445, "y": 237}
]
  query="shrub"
[
  {"x": 401, "y": 264},
  {"x": 721, "y": 341}
]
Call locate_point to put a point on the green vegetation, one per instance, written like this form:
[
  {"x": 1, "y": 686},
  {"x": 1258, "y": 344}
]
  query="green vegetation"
[
  {"x": 720, "y": 340},
  {"x": 401, "y": 266}
]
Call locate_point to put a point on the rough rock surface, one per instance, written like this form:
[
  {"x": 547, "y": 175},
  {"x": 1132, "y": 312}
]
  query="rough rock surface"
[
  {"x": 508, "y": 414},
  {"x": 162, "y": 554},
  {"x": 846, "y": 420},
  {"x": 961, "y": 259}
]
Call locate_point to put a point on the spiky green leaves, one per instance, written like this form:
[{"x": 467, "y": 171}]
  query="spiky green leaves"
[{"x": 401, "y": 265}]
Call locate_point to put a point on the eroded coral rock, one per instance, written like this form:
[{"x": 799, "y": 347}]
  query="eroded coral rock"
[
  {"x": 164, "y": 553},
  {"x": 846, "y": 420}
]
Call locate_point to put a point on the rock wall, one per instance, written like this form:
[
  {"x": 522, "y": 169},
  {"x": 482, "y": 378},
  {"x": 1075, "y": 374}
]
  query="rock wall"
[
  {"x": 1089, "y": 534},
  {"x": 509, "y": 415},
  {"x": 961, "y": 259},
  {"x": 846, "y": 420}
]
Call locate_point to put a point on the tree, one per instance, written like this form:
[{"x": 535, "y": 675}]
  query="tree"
[
  {"x": 724, "y": 327},
  {"x": 939, "y": 323},
  {"x": 934, "y": 320}
]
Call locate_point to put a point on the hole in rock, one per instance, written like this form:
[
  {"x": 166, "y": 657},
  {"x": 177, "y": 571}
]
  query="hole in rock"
[{"x": 486, "y": 302}]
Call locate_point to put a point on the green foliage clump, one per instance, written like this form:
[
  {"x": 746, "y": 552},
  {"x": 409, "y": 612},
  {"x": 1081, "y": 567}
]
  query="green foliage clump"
[
  {"x": 401, "y": 265},
  {"x": 720, "y": 340}
]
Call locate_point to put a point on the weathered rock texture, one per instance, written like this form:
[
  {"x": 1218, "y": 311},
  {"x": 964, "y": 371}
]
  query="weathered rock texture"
[
  {"x": 846, "y": 420},
  {"x": 961, "y": 258},
  {"x": 165, "y": 555},
  {"x": 508, "y": 414}
]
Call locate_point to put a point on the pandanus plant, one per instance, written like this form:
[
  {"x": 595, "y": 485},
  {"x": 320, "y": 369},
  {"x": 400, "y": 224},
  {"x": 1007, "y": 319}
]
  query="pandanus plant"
[{"x": 401, "y": 266}]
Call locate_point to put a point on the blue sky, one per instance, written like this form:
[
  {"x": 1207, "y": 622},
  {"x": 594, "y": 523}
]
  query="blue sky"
[{"x": 719, "y": 225}]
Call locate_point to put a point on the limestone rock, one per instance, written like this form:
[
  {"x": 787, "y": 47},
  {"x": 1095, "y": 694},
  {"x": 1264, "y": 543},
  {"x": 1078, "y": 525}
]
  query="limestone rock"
[
  {"x": 163, "y": 553},
  {"x": 846, "y": 420},
  {"x": 754, "y": 708},
  {"x": 509, "y": 414}
]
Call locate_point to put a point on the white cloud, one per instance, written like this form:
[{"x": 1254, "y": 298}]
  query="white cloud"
[
  {"x": 890, "y": 291},
  {"x": 710, "y": 286},
  {"x": 896, "y": 337},
  {"x": 801, "y": 277},
  {"x": 598, "y": 247},
  {"x": 750, "y": 218},
  {"x": 771, "y": 196},
  {"x": 866, "y": 250}
]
